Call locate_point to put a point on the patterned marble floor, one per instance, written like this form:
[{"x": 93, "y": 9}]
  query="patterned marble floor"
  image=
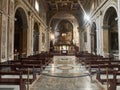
[{"x": 64, "y": 73}]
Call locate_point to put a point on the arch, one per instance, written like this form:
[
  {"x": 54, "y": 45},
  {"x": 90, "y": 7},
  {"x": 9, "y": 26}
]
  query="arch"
[
  {"x": 20, "y": 32},
  {"x": 109, "y": 5},
  {"x": 110, "y": 31},
  {"x": 56, "y": 19},
  {"x": 65, "y": 30},
  {"x": 36, "y": 38},
  {"x": 61, "y": 13},
  {"x": 109, "y": 12},
  {"x": 23, "y": 14}
]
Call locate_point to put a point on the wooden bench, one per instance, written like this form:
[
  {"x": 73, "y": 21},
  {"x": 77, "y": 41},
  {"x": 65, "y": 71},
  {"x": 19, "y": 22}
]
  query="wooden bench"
[
  {"x": 13, "y": 81},
  {"x": 44, "y": 61},
  {"x": 23, "y": 67},
  {"x": 107, "y": 71}
]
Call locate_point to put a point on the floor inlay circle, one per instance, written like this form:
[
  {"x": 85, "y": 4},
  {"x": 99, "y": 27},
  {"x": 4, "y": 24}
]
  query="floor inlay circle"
[{"x": 65, "y": 67}]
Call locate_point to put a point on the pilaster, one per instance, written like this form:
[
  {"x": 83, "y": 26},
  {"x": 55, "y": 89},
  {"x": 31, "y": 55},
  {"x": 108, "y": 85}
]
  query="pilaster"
[
  {"x": 4, "y": 28},
  {"x": 119, "y": 25},
  {"x": 10, "y": 31}
]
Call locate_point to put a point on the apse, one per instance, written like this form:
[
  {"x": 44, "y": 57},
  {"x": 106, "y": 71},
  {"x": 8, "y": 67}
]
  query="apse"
[{"x": 64, "y": 32}]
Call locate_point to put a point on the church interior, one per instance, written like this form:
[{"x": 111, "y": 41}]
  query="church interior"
[{"x": 59, "y": 45}]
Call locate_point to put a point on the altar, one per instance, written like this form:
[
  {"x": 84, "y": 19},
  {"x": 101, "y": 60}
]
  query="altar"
[
  {"x": 64, "y": 49},
  {"x": 64, "y": 52}
]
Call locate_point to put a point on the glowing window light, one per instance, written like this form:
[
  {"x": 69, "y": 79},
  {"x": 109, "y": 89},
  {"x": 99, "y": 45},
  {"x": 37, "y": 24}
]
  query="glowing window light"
[
  {"x": 86, "y": 17},
  {"x": 63, "y": 34},
  {"x": 52, "y": 36},
  {"x": 36, "y": 5}
]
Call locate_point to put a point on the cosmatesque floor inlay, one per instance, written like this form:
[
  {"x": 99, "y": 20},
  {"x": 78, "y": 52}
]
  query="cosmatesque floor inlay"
[{"x": 66, "y": 68}]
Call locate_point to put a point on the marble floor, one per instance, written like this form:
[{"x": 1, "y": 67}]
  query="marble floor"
[{"x": 64, "y": 73}]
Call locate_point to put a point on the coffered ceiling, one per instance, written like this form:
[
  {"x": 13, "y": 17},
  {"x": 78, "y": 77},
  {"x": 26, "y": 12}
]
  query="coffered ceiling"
[
  {"x": 75, "y": 7},
  {"x": 67, "y": 4}
]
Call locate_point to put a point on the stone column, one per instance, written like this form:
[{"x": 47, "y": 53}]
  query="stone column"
[
  {"x": 4, "y": 28},
  {"x": 48, "y": 38},
  {"x": 119, "y": 25},
  {"x": 31, "y": 28},
  {"x": 82, "y": 46},
  {"x": 100, "y": 40},
  {"x": 39, "y": 38},
  {"x": 0, "y": 25},
  {"x": 30, "y": 34},
  {"x": 79, "y": 38},
  {"x": 45, "y": 38},
  {"x": 88, "y": 47},
  {"x": 10, "y": 31},
  {"x": 100, "y": 33},
  {"x": 98, "y": 36}
]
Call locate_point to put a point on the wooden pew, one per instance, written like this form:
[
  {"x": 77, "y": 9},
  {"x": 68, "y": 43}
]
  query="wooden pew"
[
  {"x": 21, "y": 81},
  {"x": 109, "y": 70},
  {"x": 13, "y": 81},
  {"x": 116, "y": 81},
  {"x": 103, "y": 64},
  {"x": 88, "y": 58},
  {"x": 99, "y": 64},
  {"x": 44, "y": 61},
  {"x": 23, "y": 67}
]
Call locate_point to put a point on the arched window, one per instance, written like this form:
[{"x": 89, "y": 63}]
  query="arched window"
[{"x": 36, "y": 5}]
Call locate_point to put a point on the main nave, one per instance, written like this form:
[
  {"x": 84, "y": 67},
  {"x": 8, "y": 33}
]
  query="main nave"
[
  {"x": 59, "y": 44},
  {"x": 65, "y": 73}
]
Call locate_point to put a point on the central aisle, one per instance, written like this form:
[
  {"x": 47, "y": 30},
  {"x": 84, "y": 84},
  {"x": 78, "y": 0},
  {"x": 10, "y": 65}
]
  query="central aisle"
[{"x": 64, "y": 73}]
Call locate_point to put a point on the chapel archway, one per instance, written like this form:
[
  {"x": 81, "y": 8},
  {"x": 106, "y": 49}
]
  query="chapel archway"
[
  {"x": 20, "y": 33},
  {"x": 36, "y": 39},
  {"x": 93, "y": 39},
  {"x": 110, "y": 31}
]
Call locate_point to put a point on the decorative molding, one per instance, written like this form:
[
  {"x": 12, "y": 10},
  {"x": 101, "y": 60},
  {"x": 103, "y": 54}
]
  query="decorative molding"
[{"x": 106, "y": 27}]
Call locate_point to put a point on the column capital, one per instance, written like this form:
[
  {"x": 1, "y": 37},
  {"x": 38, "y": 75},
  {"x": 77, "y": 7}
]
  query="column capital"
[{"x": 48, "y": 28}]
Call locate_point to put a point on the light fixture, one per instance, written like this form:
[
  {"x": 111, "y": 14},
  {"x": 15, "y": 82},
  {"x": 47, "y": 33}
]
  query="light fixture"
[{"x": 63, "y": 34}]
